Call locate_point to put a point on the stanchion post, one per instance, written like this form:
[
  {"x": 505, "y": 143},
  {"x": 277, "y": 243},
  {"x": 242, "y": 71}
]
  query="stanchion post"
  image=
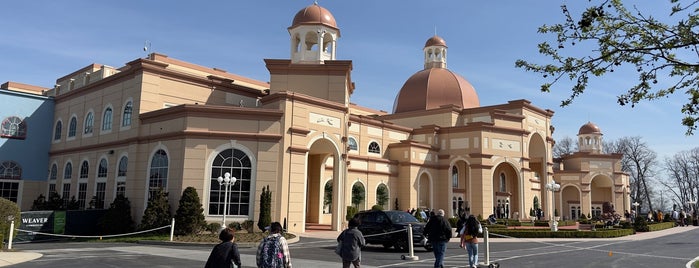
[
  {"x": 410, "y": 245},
  {"x": 172, "y": 229},
  {"x": 487, "y": 246},
  {"x": 12, "y": 231}
]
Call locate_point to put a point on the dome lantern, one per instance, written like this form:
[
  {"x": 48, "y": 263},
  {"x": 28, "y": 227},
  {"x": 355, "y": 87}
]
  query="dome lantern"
[{"x": 314, "y": 35}]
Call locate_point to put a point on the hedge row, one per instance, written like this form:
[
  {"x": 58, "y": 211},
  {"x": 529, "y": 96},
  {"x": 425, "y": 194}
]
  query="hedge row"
[
  {"x": 660, "y": 226},
  {"x": 541, "y": 233}
]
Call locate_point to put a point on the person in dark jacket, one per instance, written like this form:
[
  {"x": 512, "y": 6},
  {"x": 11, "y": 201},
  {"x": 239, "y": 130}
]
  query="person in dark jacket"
[
  {"x": 351, "y": 243},
  {"x": 438, "y": 232},
  {"x": 225, "y": 252}
]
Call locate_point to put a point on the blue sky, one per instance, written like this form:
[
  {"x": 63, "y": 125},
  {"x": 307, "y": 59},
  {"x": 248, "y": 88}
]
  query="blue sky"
[{"x": 44, "y": 40}]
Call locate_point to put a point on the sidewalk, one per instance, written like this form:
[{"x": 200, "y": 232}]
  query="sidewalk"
[{"x": 14, "y": 257}]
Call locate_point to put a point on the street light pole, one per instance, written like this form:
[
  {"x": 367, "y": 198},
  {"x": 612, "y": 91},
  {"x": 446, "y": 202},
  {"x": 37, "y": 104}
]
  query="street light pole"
[
  {"x": 635, "y": 207},
  {"x": 226, "y": 181},
  {"x": 553, "y": 187}
]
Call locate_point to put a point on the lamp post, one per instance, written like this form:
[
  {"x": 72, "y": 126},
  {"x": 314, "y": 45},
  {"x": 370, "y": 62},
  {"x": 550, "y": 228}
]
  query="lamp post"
[
  {"x": 227, "y": 181},
  {"x": 553, "y": 187},
  {"x": 635, "y": 207}
]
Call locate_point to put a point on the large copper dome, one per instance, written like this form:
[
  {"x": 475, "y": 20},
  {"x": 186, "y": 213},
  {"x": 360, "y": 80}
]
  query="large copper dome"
[
  {"x": 435, "y": 87},
  {"x": 314, "y": 14},
  {"x": 589, "y": 128}
]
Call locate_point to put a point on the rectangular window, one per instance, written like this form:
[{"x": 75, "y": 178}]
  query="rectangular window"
[
  {"x": 66, "y": 194},
  {"x": 9, "y": 190},
  {"x": 82, "y": 194},
  {"x": 99, "y": 194}
]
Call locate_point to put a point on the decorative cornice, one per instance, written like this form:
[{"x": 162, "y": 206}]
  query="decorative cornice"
[
  {"x": 369, "y": 120},
  {"x": 209, "y": 111},
  {"x": 295, "y": 96}
]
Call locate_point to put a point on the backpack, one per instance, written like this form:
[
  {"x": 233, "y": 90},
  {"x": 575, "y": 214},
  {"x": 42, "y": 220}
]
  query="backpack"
[
  {"x": 272, "y": 254},
  {"x": 460, "y": 225}
]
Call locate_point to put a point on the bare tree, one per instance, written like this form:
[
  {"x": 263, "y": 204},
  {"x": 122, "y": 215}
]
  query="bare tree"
[
  {"x": 564, "y": 146},
  {"x": 682, "y": 183},
  {"x": 640, "y": 162}
]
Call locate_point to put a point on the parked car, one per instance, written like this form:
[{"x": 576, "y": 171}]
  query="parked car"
[{"x": 388, "y": 228}]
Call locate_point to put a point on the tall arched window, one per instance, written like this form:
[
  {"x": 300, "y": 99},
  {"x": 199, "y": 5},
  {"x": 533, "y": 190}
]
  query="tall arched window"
[
  {"x": 328, "y": 197},
  {"x": 352, "y": 144},
  {"x": 503, "y": 183},
  {"x": 158, "y": 172},
  {"x": 107, "y": 119},
  {"x": 89, "y": 123},
  {"x": 382, "y": 196},
  {"x": 84, "y": 170},
  {"x": 68, "y": 172},
  {"x": 73, "y": 126},
  {"x": 238, "y": 164},
  {"x": 10, "y": 170},
  {"x": 121, "y": 176},
  {"x": 101, "y": 183},
  {"x": 374, "y": 147},
  {"x": 454, "y": 177},
  {"x": 57, "y": 131},
  {"x": 126, "y": 117},
  {"x": 358, "y": 195},
  {"x": 14, "y": 128},
  {"x": 54, "y": 172}
]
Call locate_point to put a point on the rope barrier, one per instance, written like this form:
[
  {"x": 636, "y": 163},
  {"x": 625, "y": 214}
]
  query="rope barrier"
[
  {"x": 93, "y": 236},
  {"x": 385, "y": 233}
]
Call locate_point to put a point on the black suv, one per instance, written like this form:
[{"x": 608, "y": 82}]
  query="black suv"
[{"x": 388, "y": 228}]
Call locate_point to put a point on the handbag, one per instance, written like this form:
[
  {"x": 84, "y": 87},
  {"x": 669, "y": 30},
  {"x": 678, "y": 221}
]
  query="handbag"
[{"x": 338, "y": 248}]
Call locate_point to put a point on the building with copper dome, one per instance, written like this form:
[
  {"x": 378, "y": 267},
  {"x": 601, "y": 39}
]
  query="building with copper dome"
[{"x": 175, "y": 124}]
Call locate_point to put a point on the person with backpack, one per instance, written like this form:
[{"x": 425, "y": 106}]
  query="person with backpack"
[
  {"x": 351, "y": 242},
  {"x": 225, "y": 253},
  {"x": 273, "y": 251},
  {"x": 438, "y": 232},
  {"x": 469, "y": 239},
  {"x": 460, "y": 223}
]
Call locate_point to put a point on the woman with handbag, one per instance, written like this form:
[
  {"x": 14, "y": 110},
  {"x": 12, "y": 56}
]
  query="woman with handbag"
[{"x": 350, "y": 243}]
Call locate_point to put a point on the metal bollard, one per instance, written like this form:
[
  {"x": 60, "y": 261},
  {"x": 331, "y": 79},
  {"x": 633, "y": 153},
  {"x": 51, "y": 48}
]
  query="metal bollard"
[
  {"x": 410, "y": 246},
  {"x": 487, "y": 246},
  {"x": 172, "y": 229},
  {"x": 12, "y": 231}
]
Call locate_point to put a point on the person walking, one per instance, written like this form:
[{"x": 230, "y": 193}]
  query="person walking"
[
  {"x": 225, "y": 253},
  {"x": 469, "y": 239},
  {"x": 273, "y": 250},
  {"x": 438, "y": 232},
  {"x": 351, "y": 242}
]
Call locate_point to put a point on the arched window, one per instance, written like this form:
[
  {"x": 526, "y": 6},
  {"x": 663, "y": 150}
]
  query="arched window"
[
  {"x": 382, "y": 196},
  {"x": 54, "y": 172},
  {"x": 352, "y": 144},
  {"x": 84, "y": 170},
  {"x": 158, "y": 172},
  {"x": 14, "y": 128},
  {"x": 107, "y": 119},
  {"x": 503, "y": 183},
  {"x": 101, "y": 184},
  {"x": 374, "y": 148},
  {"x": 121, "y": 176},
  {"x": 68, "y": 172},
  {"x": 358, "y": 195},
  {"x": 454, "y": 177},
  {"x": 10, "y": 170},
  {"x": 238, "y": 164},
  {"x": 102, "y": 169},
  {"x": 57, "y": 131},
  {"x": 328, "y": 197},
  {"x": 89, "y": 123},
  {"x": 126, "y": 117},
  {"x": 73, "y": 126}
]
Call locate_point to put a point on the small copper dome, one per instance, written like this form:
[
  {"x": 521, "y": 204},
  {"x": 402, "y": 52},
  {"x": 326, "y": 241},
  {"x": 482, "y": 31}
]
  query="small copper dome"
[
  {"x": 589, "y": 128},
  {"x": 435, "y": 41},
  {"x": 314, "y": 14},
  {"x": 435, "y": 87}
]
